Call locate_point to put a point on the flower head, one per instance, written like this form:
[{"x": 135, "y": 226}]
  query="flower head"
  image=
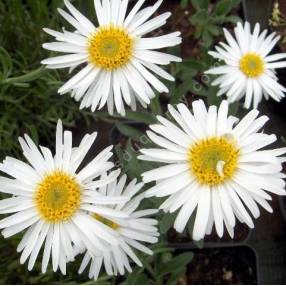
[
  {"x": 120, "y": 62},
  {"x": 51, "y": 199},
  {"x": 214, "y": 167},
  {"x": 133, "y": 231},
  {"x": 249, "y": 70}
]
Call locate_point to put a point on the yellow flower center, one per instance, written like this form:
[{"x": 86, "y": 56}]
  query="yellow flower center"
[
  {"x": 106, "y": 221},
  {"x": 213, "y": 160},
  {"x": 110, "y": 48},
  {"x": 252, "y": 65},
  {"x": 58, "y": 197}
]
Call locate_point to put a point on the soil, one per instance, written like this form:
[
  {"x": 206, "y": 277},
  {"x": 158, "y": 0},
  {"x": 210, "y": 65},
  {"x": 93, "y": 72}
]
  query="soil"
[
  {"x": 179, "y": 21},
  {"x": 236, "y": 265}
]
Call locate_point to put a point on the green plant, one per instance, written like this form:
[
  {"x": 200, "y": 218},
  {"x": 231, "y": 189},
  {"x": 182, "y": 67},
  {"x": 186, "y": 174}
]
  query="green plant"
[
  {"x": 29, "y": 103},
  {"x": 165, "y": 267},
  {"x": 208, "y": 19},
  {"x": 28, "y": 92}
]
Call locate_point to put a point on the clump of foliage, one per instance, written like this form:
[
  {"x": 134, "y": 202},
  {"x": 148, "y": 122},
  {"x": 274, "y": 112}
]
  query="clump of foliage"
[
  {"x": 29, "y": 103},
  {"x": 28, "y": 92}
]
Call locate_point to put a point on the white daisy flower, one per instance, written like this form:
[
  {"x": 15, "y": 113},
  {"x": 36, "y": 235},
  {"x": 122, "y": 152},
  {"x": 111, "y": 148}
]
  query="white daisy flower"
[
  {"x": 249, "y": 70},
  {"x": 120, "y": 61},
  {"x": 213, "y": 170},
  {"x": 51, "y": 198},
  {"x": 133, "y": 231}
]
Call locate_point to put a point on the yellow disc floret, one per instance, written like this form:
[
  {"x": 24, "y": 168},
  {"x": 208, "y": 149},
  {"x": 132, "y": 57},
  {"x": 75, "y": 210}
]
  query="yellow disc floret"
[
  {"x": 58, "y": 197},
  {"x": 106, "y": 221},
  {"x": 252, "y": 65},
  {"x": 110, "y": 48},
  {"x": 213, "y": 160}
]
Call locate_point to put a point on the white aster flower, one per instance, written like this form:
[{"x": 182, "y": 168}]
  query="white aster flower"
[
  {"x": 249, "y": 70},
  {"x": 133, "y": 231},
  {"x": 213, "y": 170},
  {"x": 51, "y": 199},
  {"x": 120, "y": 61}
]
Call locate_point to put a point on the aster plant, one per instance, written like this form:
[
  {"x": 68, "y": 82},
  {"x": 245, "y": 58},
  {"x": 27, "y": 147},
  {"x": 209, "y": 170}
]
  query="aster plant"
[
  {"x": 213, "y": 165},
  {"x": 249, "y": 70},
  {"x": 121, "y": 63},
  {"x": 201, "y": 159}
]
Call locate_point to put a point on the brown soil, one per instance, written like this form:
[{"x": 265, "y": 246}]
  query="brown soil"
[{"x": 236, "y": 265}]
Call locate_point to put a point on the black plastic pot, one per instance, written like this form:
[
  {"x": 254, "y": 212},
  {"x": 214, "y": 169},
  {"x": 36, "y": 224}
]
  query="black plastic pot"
[
  {"x": 282, "y": 204},
  {"x": 257, "y": 11},
  {"x": 212, "y": 241}
]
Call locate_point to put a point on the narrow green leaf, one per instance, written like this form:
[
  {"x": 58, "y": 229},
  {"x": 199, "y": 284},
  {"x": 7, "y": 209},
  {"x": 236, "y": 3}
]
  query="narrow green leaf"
[
  {"x": 179, "y": 261},
  {"x": 143, "y": 117},
  {"x": 233, "y": 19},
  {"x": 6, "y": 62},
  {"x": 31, "y": 76},
  {"x": 166, "y": 222},
  {"x": 176, "y": 275},
  {"x": 129, "y": 131},
  {"x": 200, "y": 18},
  {"x": 156, "y": 105},
  {"x": 200, "y": 4},
  {"x": 223, "y": 7}
]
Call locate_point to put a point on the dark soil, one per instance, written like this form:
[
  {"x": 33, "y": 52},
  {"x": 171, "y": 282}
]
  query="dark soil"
[{"x": 236, "y": 265}]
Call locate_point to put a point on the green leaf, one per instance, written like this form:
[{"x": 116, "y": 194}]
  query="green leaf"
[
  {"x": 178, "y": 262},
  {"x": 137, "y": 277},
  {"x": 143, "y": 117},
  {"x": 233, "y": 108},
  {"x": 207, "y": 39},
  {"x": 233, "y": 19},
  {"x": 33, "y": 132},
  {"x": 166, "y": 222},
  {"x": 132, "y": 166},
  {"x": 214, "y": 30},
  {"x": 184, "y": 3},
  {"x": 192, "y": 64},
  {"x": 176, "y": 275},
  {"x": 155, "y": 105},
  {"x": 223, "y": 7},
  {"x": 31, "y": 76},
  {"x": 197, "y": 88},
  {"x": 6, "y": 62},
  {"x": 200, "y": 4},
  {"x": 129, "y": 131},
  {"x": 213, "y": 99},
  {"x": 199, "y": 18}
]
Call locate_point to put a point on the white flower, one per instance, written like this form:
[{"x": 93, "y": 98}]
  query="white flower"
[
  {"x": 120, "y": 62},
  {"x": 248, "y": 71},
  {"x": 51, "y": 199},
  {"x": 132, "y": 231},
  {"x": 213, "y": 170}
]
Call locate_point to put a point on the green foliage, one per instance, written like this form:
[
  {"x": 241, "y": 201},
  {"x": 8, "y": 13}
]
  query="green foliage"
[
  {"x": 208, "y": 19},
  {"x": 164, "y": 267},
  {"x": 28, "y": 92},
  {"x": 29, "y": 103}
]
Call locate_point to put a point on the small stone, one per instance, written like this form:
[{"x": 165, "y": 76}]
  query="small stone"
[{"x": 227, "y": 275}]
